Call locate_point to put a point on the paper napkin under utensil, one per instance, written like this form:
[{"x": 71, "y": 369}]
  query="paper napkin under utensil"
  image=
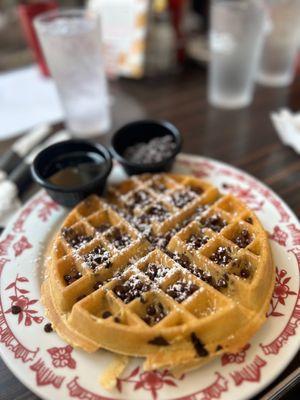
[
  {"x": 26, "y": 100},
  {"x": 287, "y": 125}
]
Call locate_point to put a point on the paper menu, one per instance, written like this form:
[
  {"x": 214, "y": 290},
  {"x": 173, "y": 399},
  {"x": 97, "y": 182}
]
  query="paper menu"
[{"x": 124, "y": 28}]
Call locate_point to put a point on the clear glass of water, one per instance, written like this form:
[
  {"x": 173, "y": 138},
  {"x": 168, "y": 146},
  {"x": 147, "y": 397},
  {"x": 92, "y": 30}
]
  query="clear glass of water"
[
  {"x": 277, "y": 64},
  {"x": 71, "y": 42},
  {"x": 236, "y": 36}
]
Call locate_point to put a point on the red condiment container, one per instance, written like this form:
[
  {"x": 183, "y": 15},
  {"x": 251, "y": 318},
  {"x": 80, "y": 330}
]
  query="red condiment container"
[
  {"x": 27, "y": 13},
  {"x": 177, "y": 11}
]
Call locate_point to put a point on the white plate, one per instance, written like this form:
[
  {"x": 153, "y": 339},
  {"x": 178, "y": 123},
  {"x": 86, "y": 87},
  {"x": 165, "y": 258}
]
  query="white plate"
[{"x": 54, "y": 370}]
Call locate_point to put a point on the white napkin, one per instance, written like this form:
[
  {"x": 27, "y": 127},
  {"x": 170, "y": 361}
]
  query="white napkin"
[
  {"x": 9, "y": 201},
  {"x": 287, "y": 125},
  {"x": 26, "y": 99}
]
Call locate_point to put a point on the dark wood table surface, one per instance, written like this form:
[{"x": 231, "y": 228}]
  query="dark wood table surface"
[{"x": 244, "y": 138}]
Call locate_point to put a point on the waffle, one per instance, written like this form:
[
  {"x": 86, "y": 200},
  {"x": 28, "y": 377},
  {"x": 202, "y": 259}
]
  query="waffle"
[{"x": 165, "y": 267}]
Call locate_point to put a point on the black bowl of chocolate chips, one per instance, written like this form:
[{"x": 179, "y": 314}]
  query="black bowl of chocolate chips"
[{"x": 146, "y": 146}]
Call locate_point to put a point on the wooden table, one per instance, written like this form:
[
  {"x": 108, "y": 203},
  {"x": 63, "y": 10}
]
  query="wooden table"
[{"x": 244, "y": 138}]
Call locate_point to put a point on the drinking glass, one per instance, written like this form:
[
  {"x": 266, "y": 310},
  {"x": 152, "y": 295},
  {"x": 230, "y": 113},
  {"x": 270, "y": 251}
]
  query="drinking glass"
[
  {"x": 71, "y": 42},
  {"x": 236, "y": 36},
  {"x": 277, "y": 64}
]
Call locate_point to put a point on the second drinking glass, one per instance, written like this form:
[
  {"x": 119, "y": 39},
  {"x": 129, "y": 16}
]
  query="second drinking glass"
[
  {"x": 277, "y": 64},
  {"x": 236, "y": 36}
]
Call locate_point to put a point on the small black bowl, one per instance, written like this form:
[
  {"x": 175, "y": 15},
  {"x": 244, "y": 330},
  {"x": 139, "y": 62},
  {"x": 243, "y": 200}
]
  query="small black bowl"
[
  {"x": 144, "y": 131},
  {"x": 45, "y": 164}
]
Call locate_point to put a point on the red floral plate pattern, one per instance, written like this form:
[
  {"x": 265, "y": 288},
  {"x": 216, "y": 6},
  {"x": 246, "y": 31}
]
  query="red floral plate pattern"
[{"x": 52, "y": 369}]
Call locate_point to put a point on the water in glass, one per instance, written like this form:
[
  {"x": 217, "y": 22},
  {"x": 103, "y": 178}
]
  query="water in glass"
[
  {"x": 237, "y": 28},
  {"x": 277, "y": 65},
  {"x": 71, "y": 41}
]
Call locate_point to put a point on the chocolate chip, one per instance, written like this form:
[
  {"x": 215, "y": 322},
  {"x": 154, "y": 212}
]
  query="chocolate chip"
[
  {"x": 147, "y": 319},
  {"x": 156, "y": 271},
  {"x": 155, "y": 151},
  {"x": 156, "y": 212},
  {"x": 117, "y": 320},
  {"x": 221, "y": 255},
  {"x": 207, "y": 277},
  {"x": 78, "y": 275},
  {"x": 155, "y": 313},
  {"x": 102, "y": 228},
  {"x": 107, "y": 264},
  {"x": 68, "y": 233},
  {"x": 199, "y": 273},
  {"x": 48, "y": 328},
  {"x": 151, "y": 310},
  {"x": 106, "y": 314},
  {"x": 249, "y": 220},
  {"x": 16, "y": 309},
  {"x": 219, "y": 347},
  {"x": 131, "y": 289},
  {"x": 97, "y": 285},
  {"x": 120, "y": 290},
  {"x": 181, "y": 290},
  {"x": 221, "y": 283},
  {"x": 181, "y": 259},
  {"x": 97, "y": 256},
  {"x": 72, "y": 276},
  {"x": 158, "y": 187},
  {"x": 67, "y": 278},
  {"x": 142, "y": 224},
  {"x": 118, "y": 238},
  {"x": 140, "y": 198},
  {"x": 159, "y": 241},
  {"x": 83, "y": 239},
  {"x": 198, "y": 345},
  {"x": 243, "y": 268},
  {"x": 182, "y": 198},
  {"x": 74, "y": 239},
  {"x": 172, "y": 293},
  {"x": 196, "y": 189},
  {"x": 214, "y": 222},
  {"x": 186, "y": 263},
  {"x": 196, "y": 241},
  {"x": 138, "y": 285},
  {"x": 159, "y": 341},
  {"x": 151, "y": 271},
  {"x": 244, "y": 273},
  {"x": 243, "y": 239}
]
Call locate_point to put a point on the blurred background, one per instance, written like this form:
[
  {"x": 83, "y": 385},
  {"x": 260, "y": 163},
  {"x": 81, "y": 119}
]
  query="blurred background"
[
  {"x": 192, "y": 20},
  {"x": 14, "y": 51},
  {"x": 228, "y": 48}
]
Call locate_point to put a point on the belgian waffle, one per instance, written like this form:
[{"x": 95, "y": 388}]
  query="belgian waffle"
[{"x": 165, "y": 268}]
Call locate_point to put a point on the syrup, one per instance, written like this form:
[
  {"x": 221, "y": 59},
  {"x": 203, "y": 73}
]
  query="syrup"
[{"x": 75, "y": 169}]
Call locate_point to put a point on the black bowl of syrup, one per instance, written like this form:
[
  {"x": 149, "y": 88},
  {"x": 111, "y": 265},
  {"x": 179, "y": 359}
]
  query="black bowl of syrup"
[{"x": 71, "y": 170}]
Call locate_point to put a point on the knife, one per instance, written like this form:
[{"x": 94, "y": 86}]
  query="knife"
[
  {"x": 21, "y": 147},
  {"x": 18, "y": 181}
]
